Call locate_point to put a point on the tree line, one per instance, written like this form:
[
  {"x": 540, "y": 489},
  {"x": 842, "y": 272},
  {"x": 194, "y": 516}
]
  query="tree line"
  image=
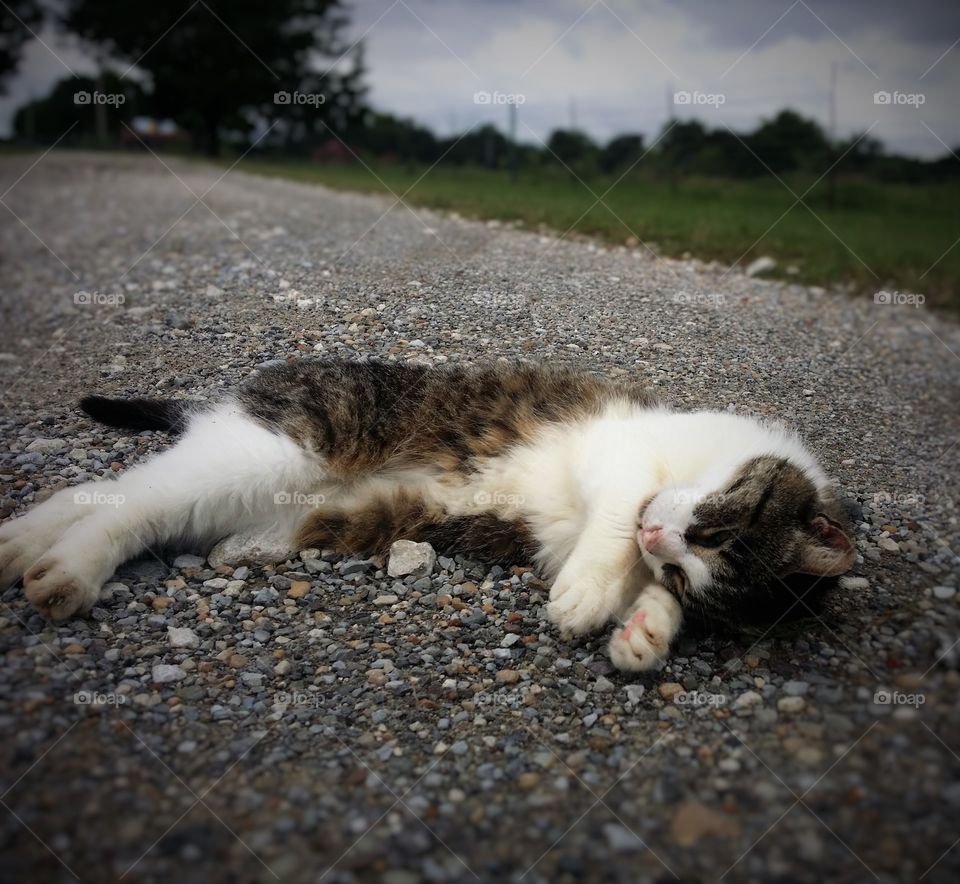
[{"x": 282, "y": 76}]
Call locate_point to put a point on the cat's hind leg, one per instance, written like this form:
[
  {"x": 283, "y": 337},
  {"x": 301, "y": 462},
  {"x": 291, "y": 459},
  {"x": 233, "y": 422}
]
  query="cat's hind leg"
[
  {"x": 25, "y": 539},
  {"x": 370, "y": 522},
  {"x": 226, "y": 475}
]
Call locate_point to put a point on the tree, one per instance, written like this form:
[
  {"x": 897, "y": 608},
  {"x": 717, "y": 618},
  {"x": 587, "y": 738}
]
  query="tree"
[
  {"x": 47, "y": 119},
  {"x": 484, "y": 146},
  {"x": 571, "y": 147},
  {"x": 860, "y": 152},
  {"x": 213, "y": 63},
  {"x": 682, "y": 142},
  {"x": 724, "y": 153},
  {"x": 789, "y": 142},
  {"x": 335, "y": 104},
  {"x": 387, "y": 136},
  {"x": 621, "y": 152},
  {"x": 17, "y": 19}
]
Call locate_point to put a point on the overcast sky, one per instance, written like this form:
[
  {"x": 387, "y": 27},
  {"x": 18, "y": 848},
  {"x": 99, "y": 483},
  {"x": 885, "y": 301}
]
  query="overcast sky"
[{"x": 613, "y": 65}]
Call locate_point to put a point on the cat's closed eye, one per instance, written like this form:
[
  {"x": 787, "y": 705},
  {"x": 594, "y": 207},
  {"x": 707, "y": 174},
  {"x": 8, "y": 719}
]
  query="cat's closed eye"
[{"x": 709, "y": 538}]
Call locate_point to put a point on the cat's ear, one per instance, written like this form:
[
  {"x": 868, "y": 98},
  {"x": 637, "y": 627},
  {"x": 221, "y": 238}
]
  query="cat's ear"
[{"x": 827, "y": 550}]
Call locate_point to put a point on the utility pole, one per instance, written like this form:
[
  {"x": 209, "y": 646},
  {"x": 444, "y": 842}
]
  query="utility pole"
[
  {"x": 573, "y": 114},
  {"x": 833, "y": 101},
  {"x": 30, "y": 119},
  {"x": 512, "y": 157},
  {"x": 832, "y": 135},
  {"x": 671, "y": 117},
  {"x": 99, "y": 109}
]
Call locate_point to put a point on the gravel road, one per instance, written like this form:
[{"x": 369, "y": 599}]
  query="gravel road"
[{"x": 321, "y": 721}]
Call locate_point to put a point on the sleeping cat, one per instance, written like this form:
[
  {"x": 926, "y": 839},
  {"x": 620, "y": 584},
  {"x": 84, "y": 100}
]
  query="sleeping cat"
[{"x": 636, "y": 513}]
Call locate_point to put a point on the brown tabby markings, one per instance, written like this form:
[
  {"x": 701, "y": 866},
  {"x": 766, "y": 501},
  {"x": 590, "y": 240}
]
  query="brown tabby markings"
[
  {"x": 406, "y": 516},
  {"x": 368, "y": 417}
]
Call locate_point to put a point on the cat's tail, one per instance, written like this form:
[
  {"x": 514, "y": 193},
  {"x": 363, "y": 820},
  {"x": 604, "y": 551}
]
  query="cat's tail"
[{"x": 169, "y": 415}]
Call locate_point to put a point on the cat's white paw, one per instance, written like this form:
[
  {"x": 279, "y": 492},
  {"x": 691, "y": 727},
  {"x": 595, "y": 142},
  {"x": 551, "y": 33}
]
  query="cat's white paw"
[
  {"x": 643, "y": 642},
  {"x": 24, "y": 540},
  {"x": 63, "y": 557},
  {"x": 58, "y": 589},
  {"x": 582, "y": 606},
  {"x": 15, "y": 555}
]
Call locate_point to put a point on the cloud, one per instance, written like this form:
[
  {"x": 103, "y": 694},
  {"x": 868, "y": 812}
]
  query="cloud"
[
  {"x": 740, "y": 23},
  {"x": 611, "y": 66}
]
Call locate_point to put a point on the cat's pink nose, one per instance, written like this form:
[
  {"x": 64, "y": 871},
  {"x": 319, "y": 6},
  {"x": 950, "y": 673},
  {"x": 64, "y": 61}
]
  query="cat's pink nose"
[{"x": 651, "y": 536}]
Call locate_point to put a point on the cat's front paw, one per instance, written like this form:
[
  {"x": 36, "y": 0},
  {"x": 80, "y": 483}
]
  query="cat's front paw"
[
  {"x": 643, "y": 642},
  {"x": 582, "y": 606}
]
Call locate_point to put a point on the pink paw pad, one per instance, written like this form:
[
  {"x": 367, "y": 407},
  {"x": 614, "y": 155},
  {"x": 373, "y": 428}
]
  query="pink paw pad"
[{"x": 634, "y": 621}]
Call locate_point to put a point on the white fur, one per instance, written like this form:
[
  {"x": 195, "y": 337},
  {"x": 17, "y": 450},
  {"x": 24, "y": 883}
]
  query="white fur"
[
  {"x": 223, "y": 477},
  {"x": 579, "y": 486}
]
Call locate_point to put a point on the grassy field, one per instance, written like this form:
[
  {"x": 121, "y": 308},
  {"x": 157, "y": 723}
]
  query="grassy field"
[{"x": 892, "y": 237}]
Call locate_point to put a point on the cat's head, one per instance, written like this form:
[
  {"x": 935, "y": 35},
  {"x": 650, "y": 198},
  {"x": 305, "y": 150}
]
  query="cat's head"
[{"x": 754, "y": 543}]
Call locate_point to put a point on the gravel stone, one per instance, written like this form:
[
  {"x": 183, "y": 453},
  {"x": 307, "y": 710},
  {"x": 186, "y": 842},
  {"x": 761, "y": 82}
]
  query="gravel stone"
[
  {"x": 163, "y": 673},
  {"x": 182, "y": 637},
  {"x": 246, "y": 548},
  {"x": 409, "y": 558},
  {"x": 795, "y": 688},
  {"x": 791, "y": 705},
  {"x": 747, "y": 700},
  {"x": 46, "y": 446}
]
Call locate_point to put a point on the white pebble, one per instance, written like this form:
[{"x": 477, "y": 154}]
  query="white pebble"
[
  {"x": 407, "y": 557},
  {"x": 182, "y": 637},
  {"x": 163, "y": 673},
  {"x": 791, "y": 705},
  {"x": 747, "y": 699}
]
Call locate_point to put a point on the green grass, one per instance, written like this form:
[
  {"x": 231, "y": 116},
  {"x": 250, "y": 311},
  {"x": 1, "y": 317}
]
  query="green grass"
[{"x": 894, "y": 237}]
